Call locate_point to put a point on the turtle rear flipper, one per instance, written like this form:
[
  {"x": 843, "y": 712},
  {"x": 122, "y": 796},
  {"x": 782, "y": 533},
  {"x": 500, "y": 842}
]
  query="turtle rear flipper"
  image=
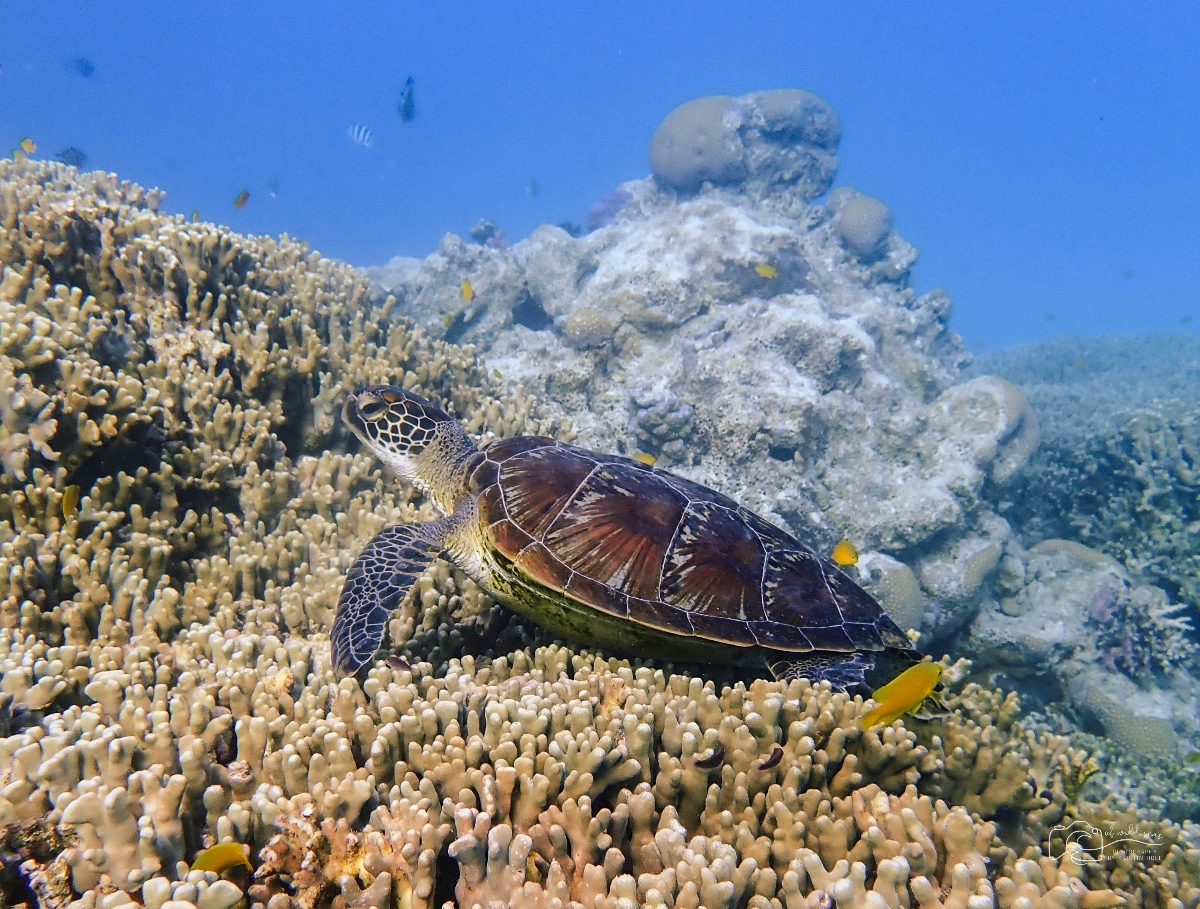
[
  {"x": 378, "y": 581},
  {"x": 842, "y": 671}
]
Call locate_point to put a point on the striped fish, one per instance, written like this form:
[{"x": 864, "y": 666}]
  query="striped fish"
[{"x": 360, "y": 135}]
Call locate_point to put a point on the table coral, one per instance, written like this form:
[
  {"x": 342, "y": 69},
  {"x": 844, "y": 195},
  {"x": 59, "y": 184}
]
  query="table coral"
[{"x": 167, "y": 677}]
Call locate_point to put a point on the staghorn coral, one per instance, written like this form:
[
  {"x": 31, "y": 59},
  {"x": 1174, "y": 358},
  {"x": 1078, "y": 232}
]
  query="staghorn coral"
[{"x": 167, "y": 676}]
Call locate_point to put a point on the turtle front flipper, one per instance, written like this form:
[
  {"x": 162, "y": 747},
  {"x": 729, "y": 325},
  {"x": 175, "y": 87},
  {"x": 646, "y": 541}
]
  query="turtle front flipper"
[
  {"x": 842, "y": 671},
  {"x": 379, "y": 579}
]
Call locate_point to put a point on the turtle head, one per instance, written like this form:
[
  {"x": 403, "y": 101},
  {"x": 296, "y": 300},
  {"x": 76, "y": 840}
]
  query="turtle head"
[{"x": 414, "y": 437}]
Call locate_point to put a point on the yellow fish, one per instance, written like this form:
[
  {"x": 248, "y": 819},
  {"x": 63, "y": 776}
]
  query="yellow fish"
[
  {"x": 19, "y": 155},
  {"x": 195, "y": 216},
  {"x": 28, "y": 145},
  {"x": 447, "y": 320},
  {"x": 844, "y": 554},
  {"x": 220, "y": 859},
  {"x": 766, "y": 271},
  {"x": 70, "y": 503},
  {"x": 905, "y": 693},
  {"x": 645, "y": 458},
  {"x": 468, "y": 291},
  {"x": 240, "y": 200}
]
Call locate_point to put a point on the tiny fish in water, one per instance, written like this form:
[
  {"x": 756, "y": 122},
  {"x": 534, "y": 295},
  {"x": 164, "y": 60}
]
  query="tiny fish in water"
[
  {"x": 713, "y": 760},
  {"x": 221, "y": 858},
  {"x": 532, "y": 190},
  {"x": 72, "y": 156},
  {"x": 70, "y": 502},
  {"x": 397, "y": 662},
  {"x": 360, "y": 135},
  {"x": 27, "y": 145},
  {"x": 1185, "y": 320},
  {"x": 83, "y": 66},
  {"x": 407, "y": 108},
  {"x": 240, "y": 200},
  {"x": 645, "y": 458},
  {"x": 844, "y": 554},
  {"x": 1193, "y": 758},
  {"x": 1049, "y": 317},
  {"x": 448, "y": 319},
  {"x": 904, "y": 693},
  {"x": 196, "y": 215},
  {"x": 468, "y": 291},
  {"x": 766, "y": 271},
  {"x": 1079, "y": 362},
  {"x": 273, "y": 187},
  {"x": 773, "y": 760}
]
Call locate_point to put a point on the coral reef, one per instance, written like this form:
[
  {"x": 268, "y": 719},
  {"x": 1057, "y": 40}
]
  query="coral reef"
[
  {"x": 1118, "y": 466},
  {"x": 166, "y": 671},
  {"x": 1069, "y": 620},
  {"x": 1133, "y": 491},
  {"x": 1101, "y": 579}
]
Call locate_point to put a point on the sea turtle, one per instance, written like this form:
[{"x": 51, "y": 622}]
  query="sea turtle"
[{"x": 603, "y": 550}]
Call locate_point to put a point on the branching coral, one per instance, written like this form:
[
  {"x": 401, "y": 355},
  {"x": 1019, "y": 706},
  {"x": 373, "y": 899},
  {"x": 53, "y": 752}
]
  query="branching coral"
[
  {"x": 1132, "y": 490},
  {"x": 1138, "y": 632},
  {"x": 167, "y": 680}
]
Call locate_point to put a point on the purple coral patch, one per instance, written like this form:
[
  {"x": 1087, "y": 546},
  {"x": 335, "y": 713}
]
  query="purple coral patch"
[{"x": 604, "y": 212}]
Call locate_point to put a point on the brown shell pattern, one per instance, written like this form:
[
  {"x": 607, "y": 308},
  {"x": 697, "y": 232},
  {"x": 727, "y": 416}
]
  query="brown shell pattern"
[{"x": 632, "y": 540}]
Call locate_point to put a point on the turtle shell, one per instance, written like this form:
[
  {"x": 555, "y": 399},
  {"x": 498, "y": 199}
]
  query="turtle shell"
[{"x": 634, "y": 542}]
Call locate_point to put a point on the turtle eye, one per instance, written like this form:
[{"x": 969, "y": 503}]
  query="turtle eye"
[{"x": 372, "y": 409}]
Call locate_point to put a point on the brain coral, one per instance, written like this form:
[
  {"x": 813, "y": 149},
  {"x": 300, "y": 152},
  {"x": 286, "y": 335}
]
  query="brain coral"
[
  {"x": 864, "y": 224},
  {"x": 694, "y": 143},
  {"x": 166, "y": 676},
  {"x": 783, "y": 138}
]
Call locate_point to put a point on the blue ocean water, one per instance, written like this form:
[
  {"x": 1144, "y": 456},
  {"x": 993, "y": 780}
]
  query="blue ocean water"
[{"x": 1041, "y": 156}]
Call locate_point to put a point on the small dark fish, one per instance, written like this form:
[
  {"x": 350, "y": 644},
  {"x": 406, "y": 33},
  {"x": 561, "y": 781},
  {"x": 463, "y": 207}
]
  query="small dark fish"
[
  {"x": 72, "y": 156},
  {"x": 360, "y": 135},
  {"x": 83, "y": 66},
  {"x": 397, "y": 662},
  {"x": 1185, "y": 320},
  {"x": 407, "y": 108},
  {"x": 713, "y": 760},
  {"x": 240, "y": 200},
  {"x": 773, "y": 760}
]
